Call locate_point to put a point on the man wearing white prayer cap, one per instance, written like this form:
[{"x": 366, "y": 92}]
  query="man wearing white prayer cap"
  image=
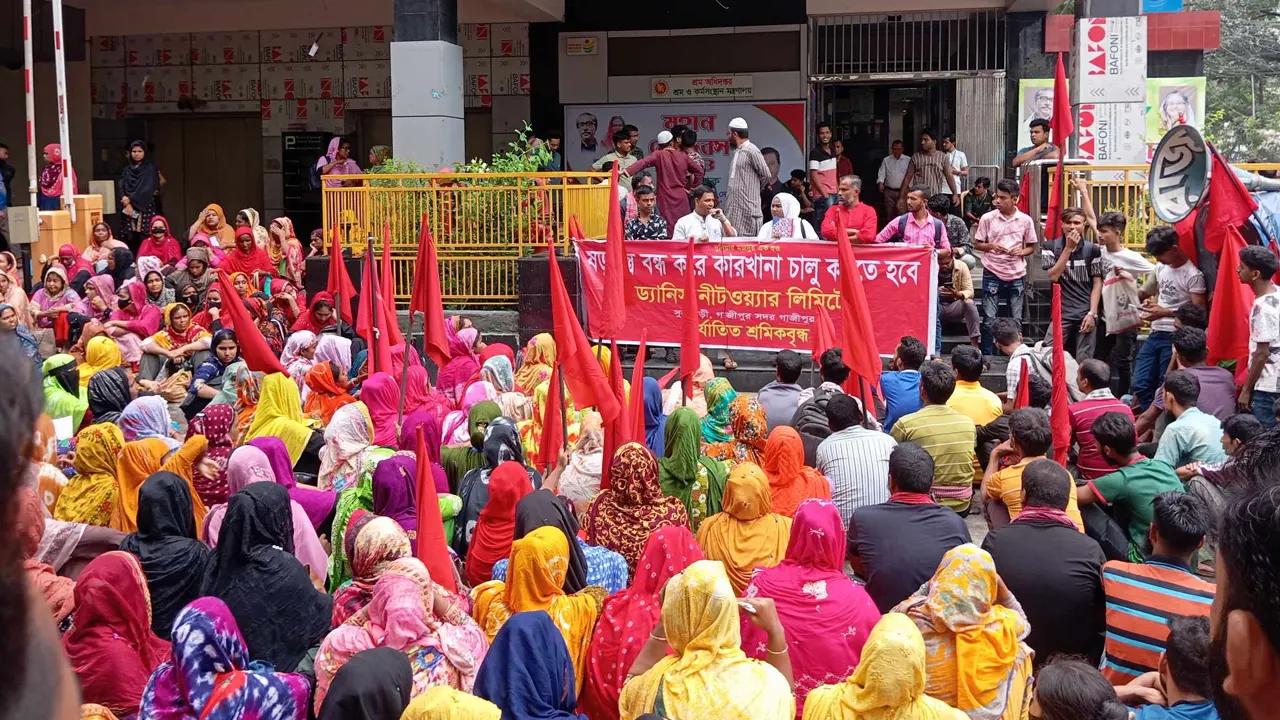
[
  {"x": 677, "y": 176},
  {"x": 748, "y": 174}
]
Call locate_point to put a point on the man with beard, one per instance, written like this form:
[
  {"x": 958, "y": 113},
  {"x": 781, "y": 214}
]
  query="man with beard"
[
  {"x": 1143, "y": 597},
  {"x": 1245, "y": 637}
]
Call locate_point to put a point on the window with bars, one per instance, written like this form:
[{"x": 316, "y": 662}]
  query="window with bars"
[{"x": 850, "y": 47}]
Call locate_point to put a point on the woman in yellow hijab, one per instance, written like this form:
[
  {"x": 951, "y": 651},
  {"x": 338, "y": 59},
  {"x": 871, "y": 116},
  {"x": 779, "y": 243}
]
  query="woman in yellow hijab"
[
  {"x": 536, "y": 572},
  {"x": 973, "y": 628},
  {"x": 441, "y": 702},
  {"x": 888, "y": 684},
  {"x": 102, "y": 353},
  {"x": 141, "y": 459},
  {"x": 708, "y": 676},
  {"x": 279, "y": 414},
  {"x": 539, "y": 356},
  {"x": 531, "y": 429},
  {"x": 92, "y": 497},
  {"x": 747, "y": 534}
]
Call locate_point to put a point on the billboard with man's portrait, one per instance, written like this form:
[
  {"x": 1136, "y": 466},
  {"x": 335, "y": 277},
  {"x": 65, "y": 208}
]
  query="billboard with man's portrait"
[{"x": 1035, "y": 100}]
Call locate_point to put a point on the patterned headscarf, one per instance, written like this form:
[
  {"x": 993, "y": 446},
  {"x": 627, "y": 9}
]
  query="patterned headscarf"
[
  {"x": 623, "y": 517},
  {"x": 716, "y": 426},
  {"x": 750, "y": 433},
  {"x": 147, "y": 417}
]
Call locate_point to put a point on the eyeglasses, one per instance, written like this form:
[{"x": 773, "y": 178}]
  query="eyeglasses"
[{"x": 586, "y": 124}]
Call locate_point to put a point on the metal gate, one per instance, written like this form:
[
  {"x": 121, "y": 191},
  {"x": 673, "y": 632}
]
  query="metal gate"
[
  {"x": 927, "y": 45},
  {"x": 980, "y": 122}
]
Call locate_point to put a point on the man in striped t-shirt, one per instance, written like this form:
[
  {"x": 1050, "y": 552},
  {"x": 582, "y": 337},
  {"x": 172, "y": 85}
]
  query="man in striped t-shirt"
[
  {"x": 1143, "y": 597},
  {"x": 1094, "y": 379},
  {"x": 949, "y": 436}
]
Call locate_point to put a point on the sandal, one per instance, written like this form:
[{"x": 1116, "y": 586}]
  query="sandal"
[{"x": 729, "y": 363}]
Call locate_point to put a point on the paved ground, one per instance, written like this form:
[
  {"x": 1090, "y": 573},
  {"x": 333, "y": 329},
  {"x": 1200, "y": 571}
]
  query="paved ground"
[{"x": 977, "y": 528}]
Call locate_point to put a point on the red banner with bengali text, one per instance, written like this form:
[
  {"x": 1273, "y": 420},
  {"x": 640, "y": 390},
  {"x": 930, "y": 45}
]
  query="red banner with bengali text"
[{"x": 762, "y": 295}]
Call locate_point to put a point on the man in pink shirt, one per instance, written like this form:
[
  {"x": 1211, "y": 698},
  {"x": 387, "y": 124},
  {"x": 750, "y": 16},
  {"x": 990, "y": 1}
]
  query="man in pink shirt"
[
  {"x": 1005, "y": 236},
  {"x": 1094, "y": 379},
  {"x": 917, "y": 227},
  {"x": 859, "y": 218}
]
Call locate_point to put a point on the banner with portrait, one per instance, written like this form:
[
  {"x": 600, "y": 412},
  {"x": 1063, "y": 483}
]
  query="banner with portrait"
[
  {"x": 1170, "y": 102},
  {"x": 764, "y": 296}
]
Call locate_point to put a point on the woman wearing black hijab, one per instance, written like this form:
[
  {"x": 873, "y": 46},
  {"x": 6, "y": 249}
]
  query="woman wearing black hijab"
[
  {"x": 501, "y": 444},
  {"x": 373, "y": 685},
  {"x": 139, "y": 182},
  {"x": 109, "y": 394},
  {"x": 173, "y": 560},
  {"x": 254, "y": 571},
  {"x": 544, "y": 507},
  {"x": 120, "y": 267}
]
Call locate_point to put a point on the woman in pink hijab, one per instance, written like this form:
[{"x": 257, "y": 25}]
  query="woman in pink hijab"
[
  {"x": 463, "y": 363},
  {"x": 381, "y": 394},
  {"x": 51, "y": 179},
  {"x": 249, "y": 464},
  {"x": 134, "y": 321}
]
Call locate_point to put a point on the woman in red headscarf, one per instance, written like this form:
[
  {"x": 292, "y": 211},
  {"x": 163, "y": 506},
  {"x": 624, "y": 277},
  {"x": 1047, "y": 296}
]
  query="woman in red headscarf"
[
  {"x": 496, "y": 528},
  {"x": 51, "y": 179},
  {"x": 319, "y": 315},
  {"x": 246, "y": 257},
  {"x": 161, "y": 243}
]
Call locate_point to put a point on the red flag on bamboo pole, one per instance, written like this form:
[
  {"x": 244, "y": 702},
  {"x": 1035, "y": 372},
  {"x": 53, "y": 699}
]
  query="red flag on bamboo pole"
[
  {"x": 340, "y": 285},
  {"x": 387, "y": 283},
  {"x": 691, "y": 335},
  {"x": 618, "y": 432},
  {"x": 432, "y": 546},
  {"x": 553, "y": 430},
  {"x": 1063, "y": 126},
  {"x": 582, "y": 374},
  {"x": 613, "y": 310},
  {"x": 1230, "y": 205},
  {"x": 1023, "y": 398},
  {"x": 857, "y": 337},
  {"x": 824, "y": 334},
  {"x": 253, "y": 347},
  {"x": 370, "y": 321},
  {"x": 636, "y": 405},
  {"x": 427, "y": 298},
  {"x": 575, "y": 229},
  {"x": 1059, "y": 416},
  {"x": 1232, "y": 304}
]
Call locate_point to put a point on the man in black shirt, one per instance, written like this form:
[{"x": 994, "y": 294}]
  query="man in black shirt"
[
  {"x": 1076, "y": 264},
  {"x": 647, "y": 224},
  {"x": 896, "y": 546},
  {"x": 1053, "y": 569}
]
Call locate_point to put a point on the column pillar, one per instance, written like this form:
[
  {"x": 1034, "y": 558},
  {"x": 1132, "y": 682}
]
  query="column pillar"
[{"x": 426, "y": 83}]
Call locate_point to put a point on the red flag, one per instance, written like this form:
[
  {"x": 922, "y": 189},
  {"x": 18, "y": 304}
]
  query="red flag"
[
  {"x": 1059, "y": 415},
  {"x": 1063, "y": 126},
  {"x": 1232, "y": 304},
  {"x": 387, "y": 285},
  {"x": 582, "y": 374},
  {"x": 613, "y": 315},
  {"x": 636, "y": 405},
  {"x": 1023, "y": 398},
  {"x": 553, "y": 431},
  {"x": 253, "y": 347},
  {"x": 824, "y": 334},
  {"x": 618, "y": 432},
  {"x": 665, "y": 380},
  {"x": 340, "y": 285},
  {"x": 575, "y": 229},
  {"x": 432, "y": 546},
  {"x": 1230, "y": 205},
  {"x": 426, "y": 298},
  {"x": 857, "y": 337},
  {"x": 1186, "y": 228},
  {"x": 370, "y": 321},
  {"x": 691, "y": 339},
  {"x": 1024, "y": 192}
]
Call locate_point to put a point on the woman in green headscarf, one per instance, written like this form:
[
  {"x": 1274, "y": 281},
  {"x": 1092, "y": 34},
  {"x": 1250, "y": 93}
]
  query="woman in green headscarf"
[
  {"x": 63, "y": 396},
  {"x": 685, "y": 474},
  {"x": 716, "y": 426},
  {"x": 458, "y": 460}
]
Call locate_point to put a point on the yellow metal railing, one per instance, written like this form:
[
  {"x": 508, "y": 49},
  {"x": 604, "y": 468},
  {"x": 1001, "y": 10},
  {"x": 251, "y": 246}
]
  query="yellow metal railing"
[
  {"x": 482, "y": 224},
  {"x": 1123, "y": 189}
]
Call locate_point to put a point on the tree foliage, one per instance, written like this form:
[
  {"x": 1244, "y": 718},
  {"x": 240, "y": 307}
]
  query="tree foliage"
[{"x": 1243, "y": 78}]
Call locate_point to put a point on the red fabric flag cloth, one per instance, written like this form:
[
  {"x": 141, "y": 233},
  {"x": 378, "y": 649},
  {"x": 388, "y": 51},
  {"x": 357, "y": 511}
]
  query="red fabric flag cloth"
[
  {"x": 552, "y": 423},
  {"x": 253, "y": 347},
  {"x": 1024, "y": 192},
  {"x": 1229, "y": 314},
  {"x": 427, "y": 298},
  {"x": 575, "y": 229},
  {"x": 1023, "y": 398},
  {"x": 1230, "y": 205},
  {"x": 824, "y": 334},
  {"x": 387, "y": 285},
  {"x": 432, "y": 546},
  {"x": 665, "y": 380},
  {"x": 636, "y": 405},
  {"x": 613, "y": 315},
  {"x": 340, "y": 285},
  {"x": 618, "y": 432},
  {"x": 1186, "y": 228},
  {"x": 1059, "y": 415},
  {"x": 857, "y": 337},
  {"x": 1062, "y": 127},
  {"x": 370, "y": 321},
  {"x": 691, "y": 337},
  {"x": 582, "y": 374}
]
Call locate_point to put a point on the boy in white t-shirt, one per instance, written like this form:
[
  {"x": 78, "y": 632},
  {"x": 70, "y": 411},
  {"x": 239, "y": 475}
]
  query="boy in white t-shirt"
[
  {"x": 1175, "y": 282},
  {"x": 1116, "y": 348},
  {"x": 1262, "y": 385}
]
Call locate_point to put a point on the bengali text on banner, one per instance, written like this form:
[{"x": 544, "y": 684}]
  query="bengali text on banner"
[{"x": 765, "y": 296}]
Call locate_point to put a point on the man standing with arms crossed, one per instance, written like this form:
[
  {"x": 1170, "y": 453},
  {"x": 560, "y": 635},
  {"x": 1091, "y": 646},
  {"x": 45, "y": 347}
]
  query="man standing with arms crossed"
[
  {"x": 893, "y": 170},
  {"x": 748, "y": 174}
]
